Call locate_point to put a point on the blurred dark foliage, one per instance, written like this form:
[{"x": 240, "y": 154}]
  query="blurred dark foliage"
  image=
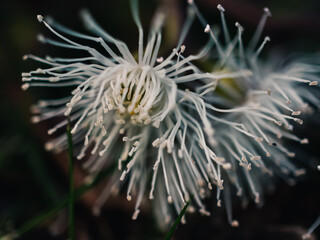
[{"x": 32, "y": 179}]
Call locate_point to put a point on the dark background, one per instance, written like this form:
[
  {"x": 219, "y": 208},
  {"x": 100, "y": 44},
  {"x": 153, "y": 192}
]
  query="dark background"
[{"x": 32, "y": 179}]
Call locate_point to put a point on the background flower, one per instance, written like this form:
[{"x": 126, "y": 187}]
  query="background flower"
[{"x": 257, "y": 110}]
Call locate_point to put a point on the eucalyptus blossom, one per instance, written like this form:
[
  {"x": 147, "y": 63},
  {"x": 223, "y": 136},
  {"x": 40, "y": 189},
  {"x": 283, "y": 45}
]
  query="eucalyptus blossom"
[
  {"x": 173, "y": 130},
  {"x": 133, "y": 112}
]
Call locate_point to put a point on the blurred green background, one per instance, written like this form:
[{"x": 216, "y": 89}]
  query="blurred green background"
[{"x": 32, "y": 179}]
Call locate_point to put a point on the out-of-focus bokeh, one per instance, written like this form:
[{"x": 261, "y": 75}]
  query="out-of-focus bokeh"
[{"x": 32, "y": 179}]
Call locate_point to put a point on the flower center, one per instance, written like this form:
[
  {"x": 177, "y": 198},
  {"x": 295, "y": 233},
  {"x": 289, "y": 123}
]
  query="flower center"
[{"x": 137, "y": 93}]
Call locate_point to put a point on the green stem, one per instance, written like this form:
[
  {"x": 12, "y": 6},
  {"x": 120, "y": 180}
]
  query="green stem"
[{"x": 71, "y": 182}]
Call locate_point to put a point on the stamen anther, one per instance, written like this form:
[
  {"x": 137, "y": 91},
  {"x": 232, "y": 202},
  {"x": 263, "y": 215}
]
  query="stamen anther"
[
  {"x": 207, "y": 29},
  {"x": 40, "y": 18}
]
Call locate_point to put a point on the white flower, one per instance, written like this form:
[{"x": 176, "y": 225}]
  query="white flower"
[
  {"x": 135, "y": 113},
  {"x": 256, "y": 112}
]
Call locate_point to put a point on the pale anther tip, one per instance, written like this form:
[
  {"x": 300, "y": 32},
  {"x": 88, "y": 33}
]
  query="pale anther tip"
[
  {"x": 269, "y": 92},
  {"x": 182, "y": 48},
  {"x": 35, "y": 119},
  {"x": 296, "y": 113},
  {"x": 300, "y": 172},
  {"x": 227, "y": 166},
  {"x": 190, "y": 1},
  {"x": 291, "y": 154},
  {"x": 207, "y": 29},
  {"x": 160, "y": 59},
  {"x": 25, "y": 86},
  {"x": 304, "y": 141},
  {"x": 135, "y": 214},
  {"x": 298, "y": 120},
  {"x": 238, "y": 25},
  {"x": 48, "y": 146},
  {"x": 267, "y": 11},
  {"x": 40, "y": 18},
  {"x": 235, "y": 223},
  {"x": 49, "y": 58},
  {"x": 40, "y": 38},
  {"x": 220, "y": 8},
  {"x": 313, "y": 83},
  {"x": 51, "y": 131},
  {"x": 306, "y": 236},
  {"x": 96, "y": 211}
]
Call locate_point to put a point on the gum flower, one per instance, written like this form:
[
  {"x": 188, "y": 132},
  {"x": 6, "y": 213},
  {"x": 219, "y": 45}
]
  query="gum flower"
[
  {"x": 135, "y": 113},
  {"x": 256, "y": 115}
]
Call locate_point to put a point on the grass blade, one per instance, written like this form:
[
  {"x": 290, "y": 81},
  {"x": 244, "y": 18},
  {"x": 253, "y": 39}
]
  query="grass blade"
[
  {"x": 177, "y": 221},
  {"x": 71, "y": 182}
]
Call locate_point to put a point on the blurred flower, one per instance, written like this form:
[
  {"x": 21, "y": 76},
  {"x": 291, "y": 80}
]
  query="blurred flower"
[
  {"x": 136, "y": 111},
  {"x": 256, "y": 112}
]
